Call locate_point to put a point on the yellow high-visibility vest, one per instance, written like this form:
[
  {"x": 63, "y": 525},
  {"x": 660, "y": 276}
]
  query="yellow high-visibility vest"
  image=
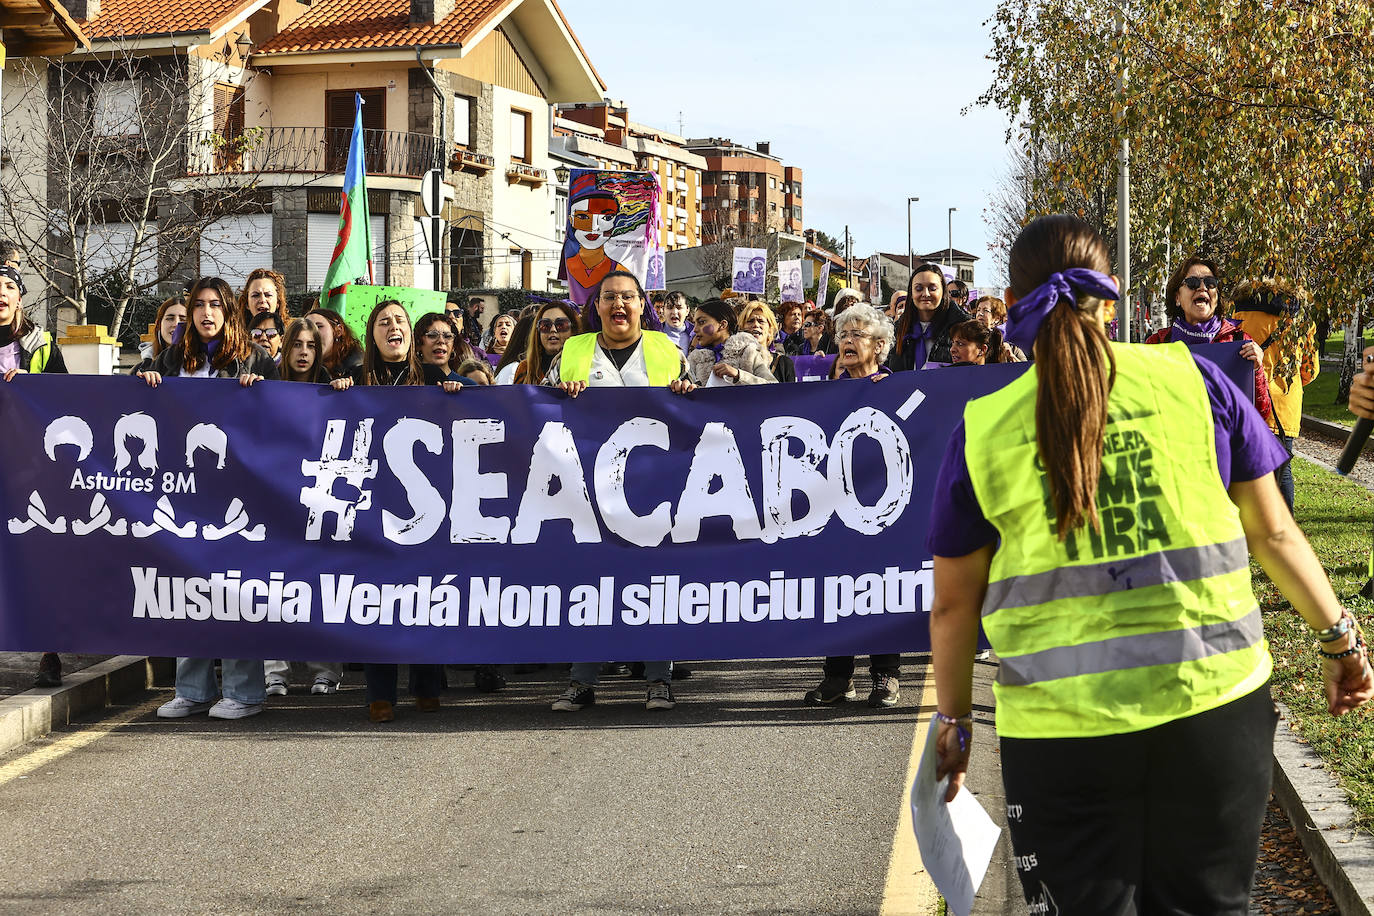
[
  {"x": 1148, "y": 620},
  {"x": 662, "y": 358}
]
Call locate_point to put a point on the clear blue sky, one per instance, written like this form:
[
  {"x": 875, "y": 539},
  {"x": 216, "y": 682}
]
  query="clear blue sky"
[{"x": 872, "y": 118}]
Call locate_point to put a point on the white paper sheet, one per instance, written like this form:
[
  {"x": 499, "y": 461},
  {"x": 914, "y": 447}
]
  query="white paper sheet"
[{"x": 956, "y": 839}]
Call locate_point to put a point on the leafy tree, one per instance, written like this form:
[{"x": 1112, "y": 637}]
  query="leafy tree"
[{"x": 1250, "y": 127}]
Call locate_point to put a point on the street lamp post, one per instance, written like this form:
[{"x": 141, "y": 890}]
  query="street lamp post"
[
  {"x": 910, "y": 254},
  {"x": 951, "y": 237}
]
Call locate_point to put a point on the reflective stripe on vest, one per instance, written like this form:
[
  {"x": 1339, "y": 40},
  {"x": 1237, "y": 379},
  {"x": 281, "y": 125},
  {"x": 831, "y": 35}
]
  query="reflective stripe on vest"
[
  {"x": 1182, "y": 565},
  {"x": 662, "y": 358},
  {"x": 38, "y": 359},
  {"x": 1146, "y": 619}
]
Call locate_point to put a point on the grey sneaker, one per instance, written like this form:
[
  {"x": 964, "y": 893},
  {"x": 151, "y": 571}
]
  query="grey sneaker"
[
  {"x": 574, "y": 698},
  {"x": 660, "y": 696},
  {"x": 180, "y": 708},
  {"x": 276, "y": 687},
  {"x": 831, "y": 691},
  {"x": 324, "y": 685},
  {"x": 886, "y": 691},
  {"x": 233, "y": 709}
]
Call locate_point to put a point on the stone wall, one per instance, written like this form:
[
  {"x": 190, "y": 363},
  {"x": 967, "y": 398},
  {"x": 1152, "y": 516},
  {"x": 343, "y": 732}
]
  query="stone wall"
[{"x": 290, "y": 236}]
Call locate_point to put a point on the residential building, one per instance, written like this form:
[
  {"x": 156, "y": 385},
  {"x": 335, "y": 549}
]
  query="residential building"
[
  {"x": 747, "y": 192},
  {"x": 604, "y": 131},
  {"x": 960, "y": 263},
  {"x": 466, "y": 86}
]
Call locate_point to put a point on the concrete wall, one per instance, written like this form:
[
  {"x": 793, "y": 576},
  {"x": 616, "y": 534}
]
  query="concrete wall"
[
  {"x": 23, "y": 168},
  {"x": 297, "y": 97}
]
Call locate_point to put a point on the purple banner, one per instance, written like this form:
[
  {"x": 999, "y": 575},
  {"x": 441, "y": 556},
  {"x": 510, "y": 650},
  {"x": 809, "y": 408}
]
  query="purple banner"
[
  {"x": 815, "y": 366},
  {"x": 502, "y": 524}
]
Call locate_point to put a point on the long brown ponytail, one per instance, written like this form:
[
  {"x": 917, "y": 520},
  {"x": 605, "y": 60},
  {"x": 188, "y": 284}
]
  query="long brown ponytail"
[{"x": 1074, "y": 365}]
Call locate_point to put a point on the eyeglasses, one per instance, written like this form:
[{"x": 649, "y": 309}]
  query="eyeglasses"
[
  {"x": 957, "y": 294},
  {"x": 1196, "y": 283},
  {"x": 554, "y": 324},
  {"x": 269, "y": 333},
  {"x": 853, "y": 335},
  {"x": 810, "y": 324},
  {"x": 438, "y": 336},
  {"x": 627, "y": 298}
]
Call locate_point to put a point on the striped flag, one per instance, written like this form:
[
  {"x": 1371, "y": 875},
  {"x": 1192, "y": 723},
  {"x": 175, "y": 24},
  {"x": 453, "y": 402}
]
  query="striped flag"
[{"x": 352, "y": 259}]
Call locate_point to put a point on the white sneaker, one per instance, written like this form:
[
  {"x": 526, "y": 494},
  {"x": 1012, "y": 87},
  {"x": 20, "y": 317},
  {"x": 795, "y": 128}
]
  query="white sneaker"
[
  {"x": 180, "y": 708},
  {"x": 324, "y": 685},
  {"x": 233, "y": 709},
  {"x": 276, "y": 688}
]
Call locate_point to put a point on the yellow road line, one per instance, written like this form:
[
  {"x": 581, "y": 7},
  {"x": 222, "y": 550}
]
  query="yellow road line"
[
  {"x": 909, "y": 890},
  {"x": 63, "y": 746}
]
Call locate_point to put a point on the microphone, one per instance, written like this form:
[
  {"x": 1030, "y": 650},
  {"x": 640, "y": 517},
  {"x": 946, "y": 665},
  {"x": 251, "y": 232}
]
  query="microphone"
[{"x": 1359, "y": 435}]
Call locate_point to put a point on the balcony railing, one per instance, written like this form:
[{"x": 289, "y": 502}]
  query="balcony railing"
[{"x": 311, "y": 150}]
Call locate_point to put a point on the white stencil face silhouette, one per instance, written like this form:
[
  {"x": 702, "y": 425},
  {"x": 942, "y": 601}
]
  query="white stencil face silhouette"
[
  {"x": 138, "y": 426},
  {"x": 68, "y": 431}
]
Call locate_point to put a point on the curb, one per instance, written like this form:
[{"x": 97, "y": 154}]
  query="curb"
[
  {"x": 34, "y": 713},
  {"x": 1316, "y": 805},
  {"x": 1311, "y": 424}
]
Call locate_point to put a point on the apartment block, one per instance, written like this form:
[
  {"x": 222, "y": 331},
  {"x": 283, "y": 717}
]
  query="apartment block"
[{"x": 747, "y": 191}]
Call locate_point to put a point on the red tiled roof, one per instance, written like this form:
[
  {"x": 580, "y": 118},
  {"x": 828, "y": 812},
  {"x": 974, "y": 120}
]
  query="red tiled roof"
[
  {"x": 339, "y": 25},
  {"x": 120, "y": 18}
]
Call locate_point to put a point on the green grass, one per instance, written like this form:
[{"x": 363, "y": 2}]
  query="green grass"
[
  {"x": 1337, "y": 516},
  {"x": 1319, "y": 399}
]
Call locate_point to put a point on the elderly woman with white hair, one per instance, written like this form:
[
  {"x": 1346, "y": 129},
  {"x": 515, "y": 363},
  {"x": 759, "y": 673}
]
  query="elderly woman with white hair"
[{"x": 864, "y": 336}]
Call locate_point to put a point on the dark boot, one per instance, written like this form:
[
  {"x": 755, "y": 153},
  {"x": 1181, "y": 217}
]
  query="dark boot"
[{"x": 49, "y": 671}]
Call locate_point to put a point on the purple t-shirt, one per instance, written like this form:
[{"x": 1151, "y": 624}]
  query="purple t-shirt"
[{"x": 1246, "y": 450}]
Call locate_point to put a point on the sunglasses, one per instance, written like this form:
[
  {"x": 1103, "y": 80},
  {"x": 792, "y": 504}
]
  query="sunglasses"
[
  {"x": 554, "y": 324},
  {"x": 259, "y": 333},
  {"x": 1196, "y": 283}
]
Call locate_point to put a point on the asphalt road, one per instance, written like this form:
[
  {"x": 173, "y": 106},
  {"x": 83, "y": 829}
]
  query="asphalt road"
[{"x": 741, "y": 800}]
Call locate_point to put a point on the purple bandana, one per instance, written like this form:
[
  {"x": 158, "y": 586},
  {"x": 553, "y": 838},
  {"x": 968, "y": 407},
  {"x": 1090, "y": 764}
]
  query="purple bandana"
[
  {"x": 1203, "y": 333},
  {"x": 1025, "y": 317}
]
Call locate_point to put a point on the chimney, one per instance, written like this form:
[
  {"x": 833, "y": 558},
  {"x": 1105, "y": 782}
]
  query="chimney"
[
  {"x": 765, "y": 147},
  {"x": 422, "y": 12},
  {"x": 84, "y": 10}
]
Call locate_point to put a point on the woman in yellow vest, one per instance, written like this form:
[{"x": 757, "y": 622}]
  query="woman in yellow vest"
[
  {"x": 1094, "y": 515},
  {"x": 621, "y": 351}
]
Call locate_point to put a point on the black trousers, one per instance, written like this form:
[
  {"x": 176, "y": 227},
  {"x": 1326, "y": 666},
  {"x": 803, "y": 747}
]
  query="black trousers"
[
  {"x": 843, "y": 665},
  {"x": 1164, "y": 821}
]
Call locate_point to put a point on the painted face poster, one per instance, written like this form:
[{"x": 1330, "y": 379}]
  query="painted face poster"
[
  {"x": 790, "y": 281},
  {"x": 613, "y": 224},
  {"x": 823, "y": 286},
  {"x": 362, "y": 299},
  {"x": 750, "y": 269}
]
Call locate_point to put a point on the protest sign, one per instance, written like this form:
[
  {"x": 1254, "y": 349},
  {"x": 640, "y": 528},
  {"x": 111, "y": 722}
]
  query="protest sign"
[
  {"x": 790, "y": 281},
  {"x": 494, "y": 525},
  {"x": 363, "y": 299},
  {"x": 750, "y": 270},
  {"x": 823, "y": 285}
]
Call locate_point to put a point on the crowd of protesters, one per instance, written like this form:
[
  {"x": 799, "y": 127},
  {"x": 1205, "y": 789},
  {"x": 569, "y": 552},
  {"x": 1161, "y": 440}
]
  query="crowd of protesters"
[{"x": 622, "y": 337}]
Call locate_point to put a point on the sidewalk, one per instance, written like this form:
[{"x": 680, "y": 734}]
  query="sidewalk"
[{"x": 18, "y": 668}]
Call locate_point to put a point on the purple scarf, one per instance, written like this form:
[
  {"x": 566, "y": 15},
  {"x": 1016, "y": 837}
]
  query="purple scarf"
[
  {"x": 1203, "y": 333},
  {"x": 1025, "y": 317},
  {"x": 917, "y": 337}
]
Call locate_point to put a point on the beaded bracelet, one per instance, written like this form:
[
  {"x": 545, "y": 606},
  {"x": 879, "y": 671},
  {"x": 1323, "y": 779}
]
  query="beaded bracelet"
[
  {"x": 964, "y": 731},
  {"x": 1343, "y": 625},
  {"x": 1357, "y": 646}
]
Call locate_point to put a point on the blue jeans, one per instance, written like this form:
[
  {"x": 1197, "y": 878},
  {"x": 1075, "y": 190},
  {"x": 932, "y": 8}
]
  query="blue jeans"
[
  {"x": 1285, "y": 473},
  {"x": 589, "y": 673},
  {"x": 425, "y": 681},
  {"x": 243, "y": 680}
]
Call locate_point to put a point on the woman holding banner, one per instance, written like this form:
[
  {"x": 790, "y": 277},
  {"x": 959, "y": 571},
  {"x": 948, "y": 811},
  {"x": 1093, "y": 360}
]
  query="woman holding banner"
[
  {"x": 923, "y": 330},
  {"x": 757, "y": 318},
  {"x": 623, "y": 350},
  {"x": 214, "y": 345},
  {"x": 390, "y": 359},
  {"x": 1133, "y": 706},
  {"x": 342, "y": 354},
  {"x": 25, "y": 347}
]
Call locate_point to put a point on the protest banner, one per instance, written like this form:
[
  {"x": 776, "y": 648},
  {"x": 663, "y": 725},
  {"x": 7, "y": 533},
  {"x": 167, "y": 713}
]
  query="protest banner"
[
  {"x": 613, "y": 224},
  {"x": 507, "y": 524},
  {"x": 363, "y": 299}
]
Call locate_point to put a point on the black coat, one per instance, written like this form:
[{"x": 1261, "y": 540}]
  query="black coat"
[
  {"x": 258, "y": 362},
  {"x": 937, "y": 350}
]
